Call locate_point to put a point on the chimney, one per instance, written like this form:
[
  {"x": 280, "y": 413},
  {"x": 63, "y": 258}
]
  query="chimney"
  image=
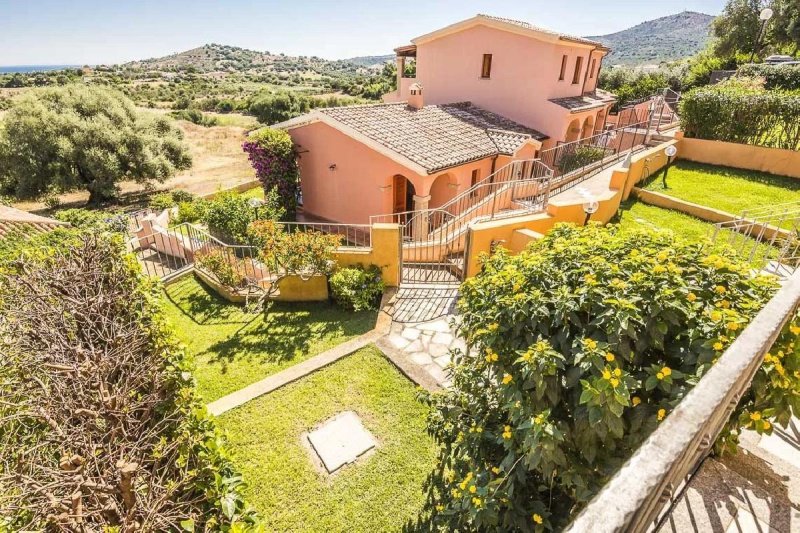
[{"x": 415, "y": 99}]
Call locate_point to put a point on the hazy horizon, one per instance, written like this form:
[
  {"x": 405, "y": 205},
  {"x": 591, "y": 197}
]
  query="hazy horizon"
[{"x": 94, "y": 32}]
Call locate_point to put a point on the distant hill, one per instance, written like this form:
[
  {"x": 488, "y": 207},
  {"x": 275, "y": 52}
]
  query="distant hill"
[
  {"x": 370, "y": 61},
  {"x": 224, "y": 58},
  {"x": 655, "y": 41}
]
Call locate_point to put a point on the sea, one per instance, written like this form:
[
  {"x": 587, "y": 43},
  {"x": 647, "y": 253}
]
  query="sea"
[{"x": 33, "y": 68}]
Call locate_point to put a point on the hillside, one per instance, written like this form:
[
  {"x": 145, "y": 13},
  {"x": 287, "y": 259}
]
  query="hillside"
[
  {"x": 370, "y": 61},
  {"x": 223, "y": 58},
  {"x": 655, "y": 41}
]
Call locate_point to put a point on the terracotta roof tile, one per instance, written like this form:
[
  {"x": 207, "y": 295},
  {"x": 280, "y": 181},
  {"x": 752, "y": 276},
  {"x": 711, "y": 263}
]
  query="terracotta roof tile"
[
  {"x": 529, "y": 26},
  {"x": 436, "y": 137},
  {"x": 16, "y": 220}
]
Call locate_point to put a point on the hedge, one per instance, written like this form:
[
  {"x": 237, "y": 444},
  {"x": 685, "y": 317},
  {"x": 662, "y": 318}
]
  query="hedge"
[
  {"x": 101, "y": 427},
  {"x": 736, "y": 114},
  {"x": 775, "y": 76}
]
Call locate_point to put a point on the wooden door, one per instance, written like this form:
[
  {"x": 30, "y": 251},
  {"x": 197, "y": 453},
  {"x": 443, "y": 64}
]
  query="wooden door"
[{"x": 399, "y": 187}]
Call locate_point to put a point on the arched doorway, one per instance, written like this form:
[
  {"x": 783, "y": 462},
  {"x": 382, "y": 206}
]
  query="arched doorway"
[
  {"x": 441, "y": 191},
  {"x": 600, "y": 122},
  {"x": 573, "y": 131},
  {"x": 403, "y": 191},
  {"x": 588, "y": 127}
]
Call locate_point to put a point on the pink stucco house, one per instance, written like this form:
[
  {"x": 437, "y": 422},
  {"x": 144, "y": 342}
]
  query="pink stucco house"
[{"x": 487, "y": 91}]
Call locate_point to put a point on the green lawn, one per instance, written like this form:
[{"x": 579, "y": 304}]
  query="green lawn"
[
  {"x": 233, "y": 349},
  {"x": 636, "y": 215},
  {"x": 380, "y": 492},
  {"x": 729, "y": 189}
]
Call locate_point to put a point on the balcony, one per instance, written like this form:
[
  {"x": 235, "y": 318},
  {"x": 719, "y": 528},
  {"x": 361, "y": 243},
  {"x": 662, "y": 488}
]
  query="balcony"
[{"x": 403, "y": 82}]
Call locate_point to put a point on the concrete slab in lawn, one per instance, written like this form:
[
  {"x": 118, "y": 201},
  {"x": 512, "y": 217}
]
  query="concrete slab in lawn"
[{"x": 341, "y": 440}]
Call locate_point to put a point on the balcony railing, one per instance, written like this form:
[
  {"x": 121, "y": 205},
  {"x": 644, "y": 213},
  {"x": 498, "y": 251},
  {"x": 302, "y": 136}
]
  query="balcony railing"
[{"x": 639, "y": 496}]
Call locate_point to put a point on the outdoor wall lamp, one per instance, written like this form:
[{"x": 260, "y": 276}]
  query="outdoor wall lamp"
[
  {"x": 255, "y": 203},
  {"x": 332, "y": 167},
  {"x": 670, "y": 151},
  {"x": 590, "y": 206}
]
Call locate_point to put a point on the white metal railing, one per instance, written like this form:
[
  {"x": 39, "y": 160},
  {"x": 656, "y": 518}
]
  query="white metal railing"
[
  {"x": 638, "y": 496},
  {"x": 768, "y": 237}
]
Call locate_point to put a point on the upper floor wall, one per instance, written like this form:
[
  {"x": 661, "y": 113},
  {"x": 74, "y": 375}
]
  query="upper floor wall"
[{"x": 507, "y": 73}]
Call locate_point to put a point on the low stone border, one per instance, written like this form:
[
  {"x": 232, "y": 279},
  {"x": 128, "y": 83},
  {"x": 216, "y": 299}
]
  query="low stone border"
[
  {"x": 706, "y": 213},
  {"x": 300, "y": 370}
]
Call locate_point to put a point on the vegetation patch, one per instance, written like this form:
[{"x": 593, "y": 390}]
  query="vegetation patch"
[
  {"x": 582, "y": 345},
  {"x": 233, "y": 348},
  {"x": 380, "y": 492},
  {"x": 728, "y": 189}
]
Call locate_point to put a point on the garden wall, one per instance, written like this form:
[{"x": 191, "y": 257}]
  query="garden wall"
[
  {"x": 384, "y": 252},
  {"x": 515, "y": 233},
  {"x": 290, "y": 289},
  {"x": 744, "y": 156}
]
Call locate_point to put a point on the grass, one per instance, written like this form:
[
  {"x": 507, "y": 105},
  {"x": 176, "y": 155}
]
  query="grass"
[
  {"x": 728, "y": 189},
  {"x": 233, "y": 349},
  {"x": 380, "y": 492},
  {"x": 637, "y": 215}
]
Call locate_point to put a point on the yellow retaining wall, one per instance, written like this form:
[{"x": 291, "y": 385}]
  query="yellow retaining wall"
[
  {"x": 744, "y": 156},
  {"x": 515, "y": 233},
  {"x": 385, "y": 252},
  {"x": 290, "y": 289}
]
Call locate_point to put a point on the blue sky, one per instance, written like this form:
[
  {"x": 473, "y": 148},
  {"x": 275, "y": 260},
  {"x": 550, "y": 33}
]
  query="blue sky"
[{"x": 111, "y": 31}]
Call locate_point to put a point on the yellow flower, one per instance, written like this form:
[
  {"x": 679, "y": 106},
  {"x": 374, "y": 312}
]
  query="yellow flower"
[
  {"x": 456, "y": 493},
  {"x": 507, "y": 433},
  {"x": 767, "y": 425},
  {"x": 755, "y": 416},
  {"x": 493, "y": 326},
  {"x": 716, "y": 316},
  {"x": 719, "y": 289},
  {"x": 477, "y": 502},
  {"x": 590, "y": 279},
  {"x": 660, "y": 375},
  {"x": 636, "y": 401},
  {"x": 606, "y": 374},
  {"x": 662, "y": 256},
  {"x": 725, "y": 304},
  {"x": 794, "y": 329},
  {"x": 490, "y": 355},
  {"x": 610, "y": 357},
  {"x": 718, "y": 346},
  {"x": 733, "y": 326},
  {"x": 478, "y": 429},
  {"x": 537, "y": 518},
  {"x": 507, "y": 379},
  {"x": 439, "y": 507},
  {"x": 661, "y": 414},
  {"x": 590, "y": 343},
  {"x": 472, "y": 489},
  {"x": 495, "y": 470},
  {"x": 658, "y": 269},
  {"x": 691, "y": 297},
  {"x": 617, "y": 372},
  {"x": 666, "y": 371},
  {"x": 614, "y": 382}
]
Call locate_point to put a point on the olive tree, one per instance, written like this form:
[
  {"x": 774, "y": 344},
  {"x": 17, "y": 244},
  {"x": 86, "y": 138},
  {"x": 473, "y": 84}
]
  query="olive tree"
[{"x": 83, "y": 137}]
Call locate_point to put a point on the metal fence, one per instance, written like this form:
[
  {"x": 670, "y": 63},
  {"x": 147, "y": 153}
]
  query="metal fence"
[{"x": 352, "y": 235}]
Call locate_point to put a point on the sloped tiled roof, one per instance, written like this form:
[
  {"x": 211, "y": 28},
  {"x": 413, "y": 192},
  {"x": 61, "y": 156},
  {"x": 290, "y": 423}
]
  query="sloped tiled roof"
[
  {"x": 529, "y": 26},
  {"x": 436, "y": 137},
  {"x": 16, "y": 220},
  {"x": 598, "y": 98}
]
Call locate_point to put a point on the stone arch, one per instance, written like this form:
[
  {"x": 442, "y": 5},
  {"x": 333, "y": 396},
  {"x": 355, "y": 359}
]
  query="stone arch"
[
  {"x": 573, "y": 131},
  {"x": 441, "y": 190},
  {"x": 600, "y": 121},
  {"x": 588, "y": 127}
]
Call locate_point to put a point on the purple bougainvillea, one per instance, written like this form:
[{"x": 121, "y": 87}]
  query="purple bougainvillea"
[{"x": 274, "y": 159}]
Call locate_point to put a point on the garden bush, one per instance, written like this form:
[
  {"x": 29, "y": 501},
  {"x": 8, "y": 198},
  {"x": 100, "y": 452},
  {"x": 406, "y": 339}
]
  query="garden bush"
[
  {"x": 160, "y": 201},
  {"x": 580, "y": 156},
  {"x": 775, "y": 76},
  {"x": 229, "y": 214},
  {"x": 357, "y": 288},
  {"x": 227, "y": 268},
  {"x": 115, "y": 221},
  {"x": 304, "y": 253},
  {"x": 102, "y": 428},
  {"x": 737, "y": 112},
  {"x": 580, "y": 347},
  {"x": 274, "y": 159},
  {"x": 195, "y": 116},
  {"x": 194, "y": 211}
]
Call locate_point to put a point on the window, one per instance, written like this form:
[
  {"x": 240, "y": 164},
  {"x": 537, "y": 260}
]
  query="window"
[
  {"x": 563, "y": 67},
  {"x": 578, "y": 65},
  {"x": 591, "y": 68},
  {"x": 486, "y": 68},
  {"x": 476, "y": 175}
]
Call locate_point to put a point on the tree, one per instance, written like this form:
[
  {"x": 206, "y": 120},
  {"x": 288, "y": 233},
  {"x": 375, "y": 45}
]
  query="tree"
[
  {"x": 274, "y": 159},
  {"x": 579, "y": 348},
  {"x": 785, "y": 29},
  {"x": 273, "y": 108},
  {"x": 85, "y": 137},
  {"x": 737, "y": 27}
]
